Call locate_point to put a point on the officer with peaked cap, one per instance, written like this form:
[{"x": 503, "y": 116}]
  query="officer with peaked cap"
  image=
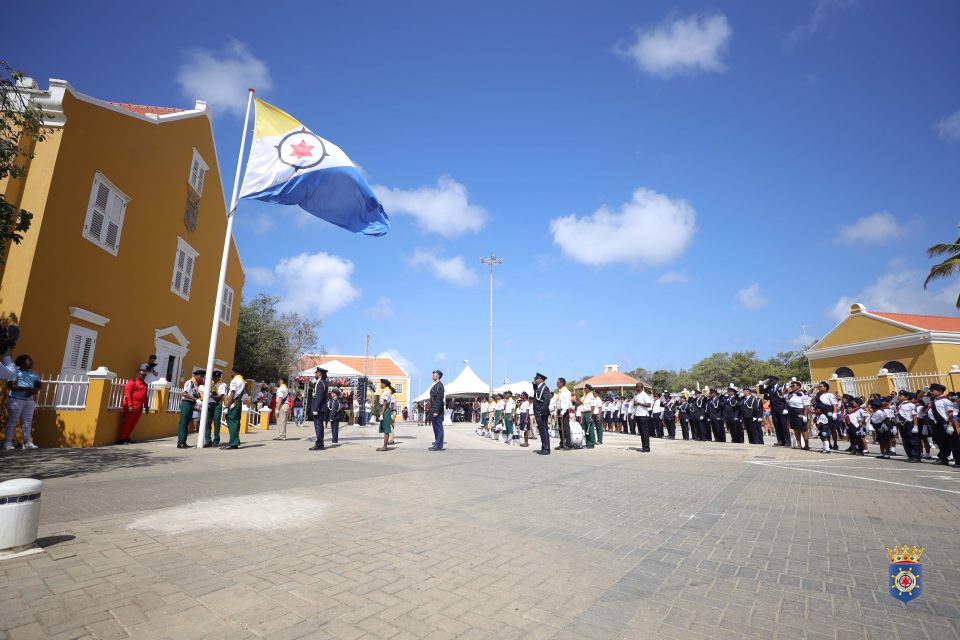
[
  {"x": 773, "y": 392},
  {"x": 320, "y": 407},
  {"x": 437, "y": 404},
  {"x": 715, "y": 416},
  {"x": 541, "y": 410},
  {"x": 188, "y": 400},
  {"x": 731, "y": 415}
]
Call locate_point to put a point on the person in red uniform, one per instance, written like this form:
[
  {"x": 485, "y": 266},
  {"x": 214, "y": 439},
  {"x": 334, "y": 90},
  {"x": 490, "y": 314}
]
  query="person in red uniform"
[{"x": 135, "y": 394}]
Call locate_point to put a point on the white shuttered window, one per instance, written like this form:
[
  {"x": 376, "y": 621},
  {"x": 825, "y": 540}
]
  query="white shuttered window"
[
  {"x": 226, "y": 305},
  {"x": 183, "y": 269},
  {"x": 198, "y": 171},
  {"x": 105, "y": 211}
]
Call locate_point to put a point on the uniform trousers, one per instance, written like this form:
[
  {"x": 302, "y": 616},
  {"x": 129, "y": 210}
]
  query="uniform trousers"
[
  {"x": 700, "y": 422},
  {"x": 719, "y": 433},
  {"x": 657, "y": 425},
  {"x": 599, "y": 428},
  {"x": 736, "y": 430},
  {"x": 685, "y": 428},
  {"x": 946, "y": 443},
  {"x": 781, "y": 426},
  {"x": 563, "y": 427},
  {"x": 747, "y": 424},
  {"x": 233, "y": 423},
  {"x": 319, "y": 423},
  {"x": 543, "y": 428},
  {"x": 669, "y": 424},
  {"x": 214, "y": 414},
  {"x": 643, "y": 426},
  {"x": 186, "y": 416},
  {"x": 588, "y": 429},
  {"x": 911, "y": 441},
  {"x": 437, "y": 423}
]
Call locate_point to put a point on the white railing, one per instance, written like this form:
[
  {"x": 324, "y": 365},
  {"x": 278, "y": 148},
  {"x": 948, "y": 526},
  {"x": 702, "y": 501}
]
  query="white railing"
[
  {"x": 66, "y": 393},
  {"x": 860, "y": 387},
  {"x": 115, "y": 403},
  {"x": 253, "y": 416},
  {"x": 154, "y": 395},
  {"x": 173, "y": 402},
  {"x": 915, "y": 381}
]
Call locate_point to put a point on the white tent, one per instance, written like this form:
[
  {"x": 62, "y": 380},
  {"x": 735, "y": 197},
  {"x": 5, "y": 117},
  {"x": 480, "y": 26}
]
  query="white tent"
[
  {"x": 465, "y": 384},
  {"x": 516, "y": 388},
  {"x": 335, "y": 369}
]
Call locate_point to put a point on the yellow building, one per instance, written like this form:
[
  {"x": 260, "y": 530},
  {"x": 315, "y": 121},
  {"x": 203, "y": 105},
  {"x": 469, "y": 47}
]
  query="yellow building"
[
  {"x": 123, "y": 255},
  {"x": 904, "y": 345}
]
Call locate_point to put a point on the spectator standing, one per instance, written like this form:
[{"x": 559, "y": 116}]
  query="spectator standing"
[
  {"x": 136, "y": 400},
  {"x": 21, "y": 402},
  {"x": 281, "y": 408}
]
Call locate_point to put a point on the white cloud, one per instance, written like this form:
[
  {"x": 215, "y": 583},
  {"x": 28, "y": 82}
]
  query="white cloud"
[
  {"x": 453, "y": 270},
  {"x": 876, "y": 228},
  {"x": 683, "y": 45},
  {"x": 412, "y": 370},
  {"x": 315, "y": 284},
  {"x": 650, "y": 229},
  {"x": 751, "y": 298},
  {"x": 674, "y": 277},
  {"x": 440, "y": 357},
  {"x": 382, "y": 310},
  {"x": 222, "y": 78},
  {"x": 949, "y": 128},
  {"x": 822, "y": 13},
  {"x": 260, "y": 275},
  {"x": 900, "y": 290},
  {"x": 444, "y": 209}
]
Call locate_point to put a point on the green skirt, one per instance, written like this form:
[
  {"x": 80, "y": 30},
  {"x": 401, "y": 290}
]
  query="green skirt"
[
  {"x": 509, "y": 424},
  {"x": 386, "y": 422}
]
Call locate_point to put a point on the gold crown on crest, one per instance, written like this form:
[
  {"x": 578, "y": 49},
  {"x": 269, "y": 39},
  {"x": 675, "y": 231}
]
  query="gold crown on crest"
[{"x": 905, "y": 554}]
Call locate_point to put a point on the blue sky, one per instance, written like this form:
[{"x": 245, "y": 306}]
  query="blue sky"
[{"x": 662, "y": 179}]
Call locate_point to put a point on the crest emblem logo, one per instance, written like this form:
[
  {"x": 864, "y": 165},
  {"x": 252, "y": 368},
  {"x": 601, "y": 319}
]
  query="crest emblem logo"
[
  {"x": 301, "y": 150},
  {"x": 905, "y": 572}
]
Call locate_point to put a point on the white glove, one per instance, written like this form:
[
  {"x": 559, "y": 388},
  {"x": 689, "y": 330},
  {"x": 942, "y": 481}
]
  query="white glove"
[
  {"x": 785, "y": 412},
  {"x": 915, "y": 429},
  {"x": 832, "y": 415},
  {"x": 950, "y": 430}
]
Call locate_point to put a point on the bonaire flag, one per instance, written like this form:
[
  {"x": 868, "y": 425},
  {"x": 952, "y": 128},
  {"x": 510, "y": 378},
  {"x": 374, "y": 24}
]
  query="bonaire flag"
[{"x": 289, "y": 164}]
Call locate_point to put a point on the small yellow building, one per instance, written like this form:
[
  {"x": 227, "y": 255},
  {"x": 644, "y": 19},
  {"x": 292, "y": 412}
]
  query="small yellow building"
[
  {"x": 902, "y": 344},
  {"x": 123, "y": 255}
]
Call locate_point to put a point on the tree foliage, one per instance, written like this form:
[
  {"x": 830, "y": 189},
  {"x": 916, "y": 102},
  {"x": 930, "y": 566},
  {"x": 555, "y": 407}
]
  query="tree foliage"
[
  {"x": 270, "y": 344},
  {"x": 950, "y": 265},
  {"x": 21, "y": 128}
]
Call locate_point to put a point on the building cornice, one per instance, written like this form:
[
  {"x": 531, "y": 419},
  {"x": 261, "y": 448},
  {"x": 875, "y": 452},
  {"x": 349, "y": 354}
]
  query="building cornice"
[
  {"x": 894, "y": 342},
  {"x": 88, "y": 316}
]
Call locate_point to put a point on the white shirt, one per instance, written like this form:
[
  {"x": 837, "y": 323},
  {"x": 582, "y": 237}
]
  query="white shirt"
[
  {"x": 797, "y": 400},
  {"x": 237, "y": 386},
  {"x": 484, "y": 407},
  {"x": 510, "y": 406},
  {"x": 607, "y": 406},
  {"x": 643, "y": 398},
  {"x": 828, "y": 398},
  {"x": 597, "y": 405},
  {"x": 626, "y": 408},
  {"x": 657, "y": 408},
  {"x": 857, "y": 417},
  {"x": 525, "y": 406},
  {"x": 498, "y": 406},
  {"x": 563, "y": 399}
]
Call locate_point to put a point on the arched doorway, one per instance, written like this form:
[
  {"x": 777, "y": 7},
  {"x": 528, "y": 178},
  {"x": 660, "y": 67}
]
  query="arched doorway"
[{"x": 899, "y": 373}]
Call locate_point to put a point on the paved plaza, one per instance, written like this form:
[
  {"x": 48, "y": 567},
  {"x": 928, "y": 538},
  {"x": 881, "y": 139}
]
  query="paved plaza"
[{"x": 694, "y": 540}]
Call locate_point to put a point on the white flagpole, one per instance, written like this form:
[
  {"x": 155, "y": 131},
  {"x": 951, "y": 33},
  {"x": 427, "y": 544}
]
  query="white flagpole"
[{"x": 215, "y": 330}]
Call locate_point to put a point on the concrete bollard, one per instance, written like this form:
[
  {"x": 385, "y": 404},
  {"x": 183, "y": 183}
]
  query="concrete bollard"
[{"x": 19, "y": 513}]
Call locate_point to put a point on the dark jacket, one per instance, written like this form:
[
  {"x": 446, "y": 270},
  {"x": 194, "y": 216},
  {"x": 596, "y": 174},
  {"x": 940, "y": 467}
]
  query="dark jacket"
[
  {"x": 334, "y": 408},
  {"x": 541, "y": 398},
  {"x": 750, "y": 408},
  {"x": 319, "y": 405},
  {"x": 437, "y": 393},
  {"x": 774, "y": 394}
]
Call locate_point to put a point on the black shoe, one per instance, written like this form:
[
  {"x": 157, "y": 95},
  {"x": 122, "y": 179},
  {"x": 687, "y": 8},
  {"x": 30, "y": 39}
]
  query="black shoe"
[
  {"x": 644, "y": 450},
  {"x": 435, "y": 449},
  {"x": 181, "y": 445},
  {"x": 216, "y": 443},
  {"x": 207, "y": 445},
  {"x": 541, "y": 452},
  {"x": 229, "y": 446},
  {"x": 316, "y": 447}
]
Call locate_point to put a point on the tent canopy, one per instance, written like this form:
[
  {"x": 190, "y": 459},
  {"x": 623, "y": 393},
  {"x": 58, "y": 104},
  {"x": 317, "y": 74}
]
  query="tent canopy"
[
  {"x": 467, "y": 384},
  {"x": 335, "y": 369},
  {"x": 516, "y": 388}
]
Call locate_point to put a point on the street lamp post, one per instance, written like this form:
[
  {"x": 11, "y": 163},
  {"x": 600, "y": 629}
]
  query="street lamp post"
[{"x": 491, "y": 262}]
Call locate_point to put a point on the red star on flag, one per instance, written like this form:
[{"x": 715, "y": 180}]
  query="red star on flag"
[{"x": 301, "y": 150}]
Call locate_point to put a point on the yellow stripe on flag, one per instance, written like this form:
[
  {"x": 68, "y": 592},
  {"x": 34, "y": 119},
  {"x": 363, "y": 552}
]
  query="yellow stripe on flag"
[{"x": 272, "y": 121}]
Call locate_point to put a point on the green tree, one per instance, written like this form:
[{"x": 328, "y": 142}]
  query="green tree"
[
  {"x": 270, "y": 344},
  {"x": 949, "y": 267},
  {"x": 21, "y": 128}
]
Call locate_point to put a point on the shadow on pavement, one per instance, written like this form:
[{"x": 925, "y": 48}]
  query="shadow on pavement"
[
  {"x": 49, "y": 541},
  {"x": 66, "y": 463}
]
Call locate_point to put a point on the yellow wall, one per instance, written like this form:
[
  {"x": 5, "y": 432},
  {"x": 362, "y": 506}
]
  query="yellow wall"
[
  {"x": 56, "y": 268},
  {"x": 860, "y": 329},
  {"x": 917, "y": 359}
]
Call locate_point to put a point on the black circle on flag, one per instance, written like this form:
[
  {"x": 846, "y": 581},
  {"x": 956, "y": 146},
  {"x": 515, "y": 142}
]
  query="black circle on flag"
[{"x": 301, "y": 150}]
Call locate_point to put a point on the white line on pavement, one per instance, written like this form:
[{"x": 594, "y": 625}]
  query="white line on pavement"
[{"x": 847, "y": 475}]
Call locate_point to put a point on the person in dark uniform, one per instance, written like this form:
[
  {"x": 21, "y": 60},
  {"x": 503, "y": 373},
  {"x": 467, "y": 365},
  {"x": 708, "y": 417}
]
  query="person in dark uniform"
[
  {"x": 773, "y": 392},
  {"x": 541, "y": 410},
  {"x": 715, "y": 416},
  {"x": 698, "y": 414},
  {"x": 669, "y": 406},
  {"x": 731, "y": 416},
  {"x": 437, "y": 403},
  {"x": 333, "y": 410},
  {"x": 656, "y": 418},
  {"x": 320, "y": 406},
  {"x": 751, "y": 415},
  {"x": 683, "y": 409}
]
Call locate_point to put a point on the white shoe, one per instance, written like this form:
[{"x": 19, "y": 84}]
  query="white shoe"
[
  {"x": 30, "y": 445},
  {"x": 8, "y": 446}
]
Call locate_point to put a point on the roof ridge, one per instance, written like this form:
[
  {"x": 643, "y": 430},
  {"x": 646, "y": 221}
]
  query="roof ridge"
[{"x": 917, "y": 315}]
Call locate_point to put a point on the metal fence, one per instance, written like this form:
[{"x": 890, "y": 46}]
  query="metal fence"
[
  {"x": 919, "y": 381},
  {"x": 116, "y": 395},
  {"x": 173, "y": 402},
  {"x": 861, "y": 387},
  {"x": 66, "y": 393}
]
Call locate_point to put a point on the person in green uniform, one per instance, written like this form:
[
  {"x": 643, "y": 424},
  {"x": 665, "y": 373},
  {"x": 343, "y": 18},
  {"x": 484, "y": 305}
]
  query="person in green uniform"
[
  {"x": 211, "y": 433},
  {"x": 386, "y": 412},
  {"x": 188, "y": 400},
  {"x": 234, "y": 406}
]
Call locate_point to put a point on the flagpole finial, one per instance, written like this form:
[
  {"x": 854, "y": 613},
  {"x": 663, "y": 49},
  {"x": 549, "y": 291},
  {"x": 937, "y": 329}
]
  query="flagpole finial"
[{"x": 252, "y": 90}]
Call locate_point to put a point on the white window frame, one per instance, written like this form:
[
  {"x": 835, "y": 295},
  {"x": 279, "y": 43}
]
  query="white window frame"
[
  {"x": 190, "y": 254},
  {"x": 73, "y": 395},
  {"x": 197, "y": 173},
  {"x": 398, "y": 387},
  {"x": 112, "y": 212},
  {"x": 226, "y": 309}
]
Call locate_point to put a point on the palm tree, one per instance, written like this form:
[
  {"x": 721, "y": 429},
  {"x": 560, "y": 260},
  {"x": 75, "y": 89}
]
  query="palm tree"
[{"x": 948, "y": 267}]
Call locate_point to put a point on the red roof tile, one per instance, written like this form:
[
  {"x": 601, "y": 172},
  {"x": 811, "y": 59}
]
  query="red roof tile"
[
  {"x": 930, "y": 323},
  {"x": 143, "y": 109},
  {"x": 377, "y": 366},
  {"x": 610, "y": 379}
]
